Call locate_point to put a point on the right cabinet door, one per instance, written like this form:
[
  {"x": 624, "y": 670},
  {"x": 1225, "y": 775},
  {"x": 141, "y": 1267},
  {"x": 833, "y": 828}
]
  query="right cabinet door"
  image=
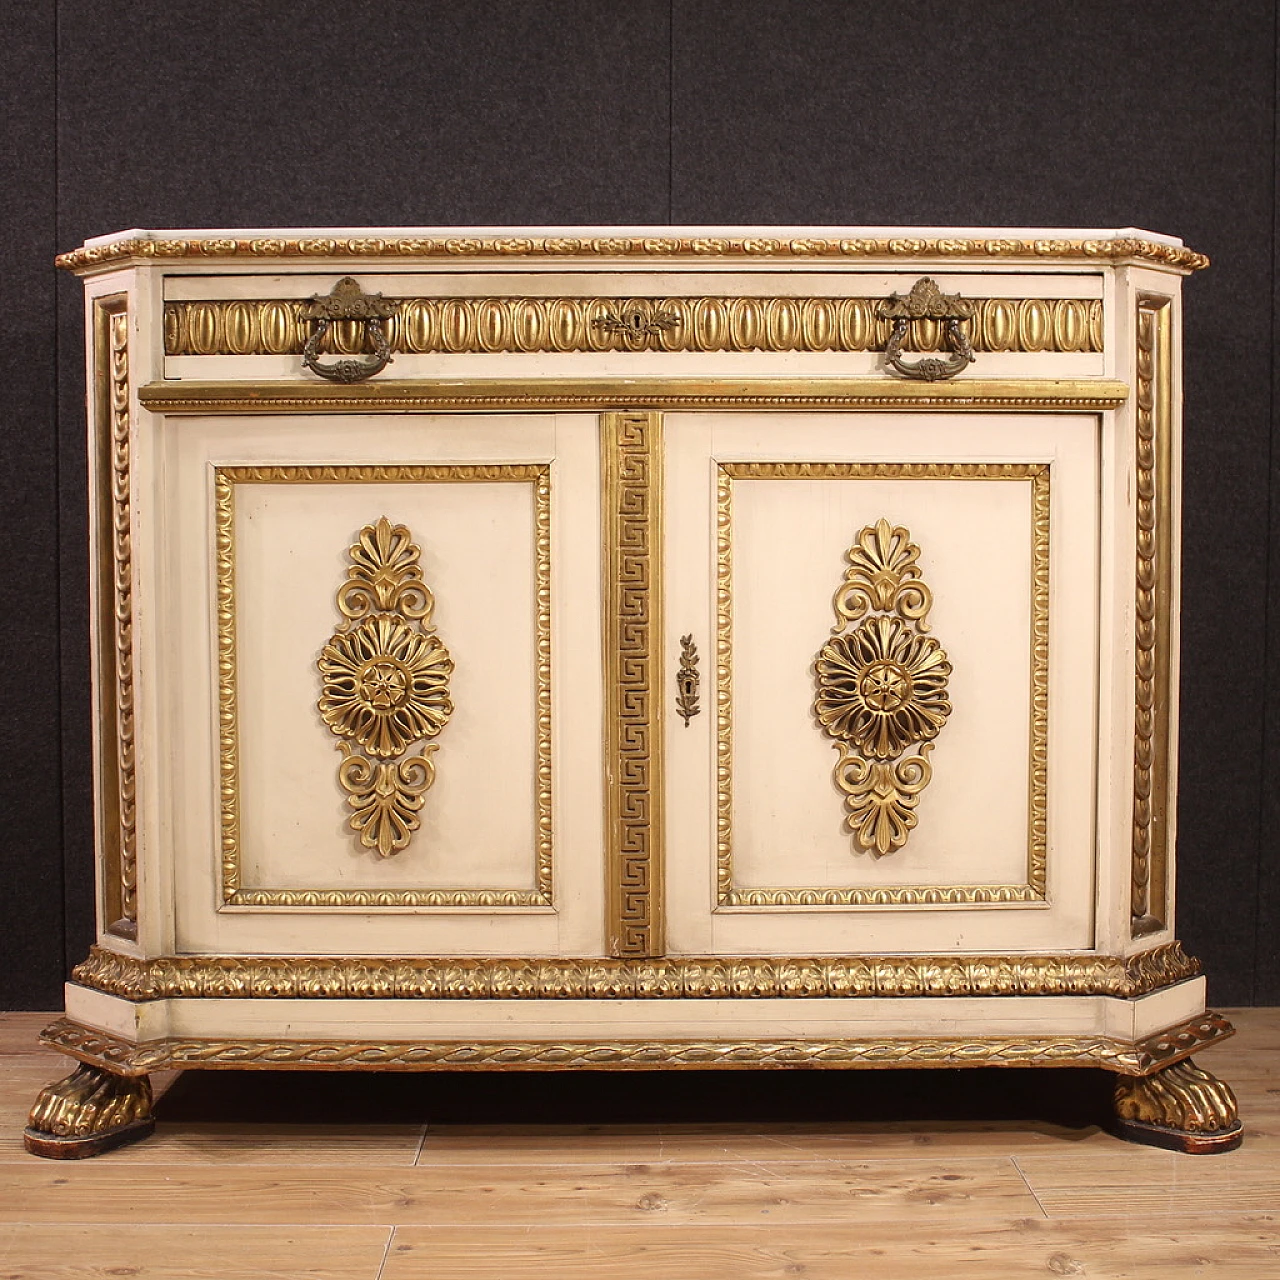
[{"x": 897, "y": 617}]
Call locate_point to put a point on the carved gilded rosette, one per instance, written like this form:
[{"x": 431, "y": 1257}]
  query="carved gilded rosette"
[
  {"x": 385, "y": 687},
  {"x": 882, "y": 687}
]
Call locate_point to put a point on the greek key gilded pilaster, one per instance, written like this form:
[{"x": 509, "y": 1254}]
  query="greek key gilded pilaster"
[{"x": 631, "y": 453}]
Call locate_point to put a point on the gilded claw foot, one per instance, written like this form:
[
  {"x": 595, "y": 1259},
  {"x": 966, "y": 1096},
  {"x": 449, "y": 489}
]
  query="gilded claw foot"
[
  {"x": 1181, "y": 1107},
  {"x": 87, "y": 1113}
]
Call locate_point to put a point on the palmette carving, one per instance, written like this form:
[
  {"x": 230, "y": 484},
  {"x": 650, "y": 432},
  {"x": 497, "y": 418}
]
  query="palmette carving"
[
  {"x": 882, "y": 687},
  {"x": 386, "y": 796},
  {"x": 386, "y": 685},
  {"x": 883, "y": 576},
  {"x": 881, "y": 798}
]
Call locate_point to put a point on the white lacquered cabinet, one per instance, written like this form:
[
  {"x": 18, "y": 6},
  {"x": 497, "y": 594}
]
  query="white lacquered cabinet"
[{"x": 636, "y": 648}]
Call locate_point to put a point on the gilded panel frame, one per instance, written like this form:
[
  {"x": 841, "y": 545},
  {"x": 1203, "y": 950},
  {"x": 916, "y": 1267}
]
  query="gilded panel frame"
[
  {"x": 233, "y": 892},
  {"x": 1035, "y": 890}
]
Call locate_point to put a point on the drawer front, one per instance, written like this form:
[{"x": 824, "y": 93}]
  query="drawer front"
[{"x": 806, "y": 321}]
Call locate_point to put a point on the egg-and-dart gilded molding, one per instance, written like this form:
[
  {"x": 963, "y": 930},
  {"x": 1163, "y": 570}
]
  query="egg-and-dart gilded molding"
[
  {"x": 321, "y": 248},
  {"x": 115, "y": 684},
  {"x": 728, "y": 894},
  {"x": 492, "y": 325},
  {"x": 1125, "y": 1057},
  {"x": 974, "y": 395},
  {"x": 1153, "y": 445},
  {"x": 604, "y": 978},
  {"x": 234, "y": 892}
]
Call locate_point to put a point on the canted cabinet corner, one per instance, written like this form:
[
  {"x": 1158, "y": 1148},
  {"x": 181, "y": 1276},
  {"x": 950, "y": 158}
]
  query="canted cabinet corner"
[{"x": 641, "y": 648}]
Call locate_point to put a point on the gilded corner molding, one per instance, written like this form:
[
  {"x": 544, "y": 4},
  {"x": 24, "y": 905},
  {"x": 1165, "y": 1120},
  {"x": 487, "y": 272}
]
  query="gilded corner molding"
[
  {"x": 631, "y": 460},
  {"x": 113, "y": 502},
  {"x": 381, "y": 656},
  {"x": 882, "y": 687},
  {"x": 385, "y": 677},
  {"x": 1153, "y": 421},
  {"x": 863, "y": 582}
]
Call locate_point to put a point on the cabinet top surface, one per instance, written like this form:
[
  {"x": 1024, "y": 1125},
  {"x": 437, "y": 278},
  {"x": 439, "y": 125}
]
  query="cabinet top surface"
[{"x": 654, "y": 245}]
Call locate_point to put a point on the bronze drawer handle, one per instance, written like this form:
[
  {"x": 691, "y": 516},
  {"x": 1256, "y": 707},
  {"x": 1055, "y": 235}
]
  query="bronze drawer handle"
[
  {"x": 348, "y": 302},
  {"x": 927, "y": 302}
]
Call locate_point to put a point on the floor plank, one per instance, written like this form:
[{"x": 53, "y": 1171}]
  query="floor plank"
[
  {"x": 20, "y": 1032},
  {"x": 1228, "y": 1248},
  {"x": 1126, "y": 1182},
  {"x": 873, "y": 1191},
  {"x": 76, "y": 1252}
]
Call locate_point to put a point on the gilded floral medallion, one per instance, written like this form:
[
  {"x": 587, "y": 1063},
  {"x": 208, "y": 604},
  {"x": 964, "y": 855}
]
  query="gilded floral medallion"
[
  {"x": 385, "y": 686},
  {"x": 882, "y": 687}
]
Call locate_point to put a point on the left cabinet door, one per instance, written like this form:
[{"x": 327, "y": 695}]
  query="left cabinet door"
[{"x": 366, "y": 737}]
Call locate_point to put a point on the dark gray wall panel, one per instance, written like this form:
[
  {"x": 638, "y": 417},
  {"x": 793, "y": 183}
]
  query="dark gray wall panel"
[
  {"x": 192, "y": 114},
  {"x": 30, "y": 786},
  {"x": 1267, "y": 985},
  {"x": 1015, "y": 114}
]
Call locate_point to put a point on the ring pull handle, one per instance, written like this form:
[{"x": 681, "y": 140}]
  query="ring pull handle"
[
  {"x": 687, "y": 680},
  {"x": 927, "y": 302},
  {"x": 348, "y": 301}
]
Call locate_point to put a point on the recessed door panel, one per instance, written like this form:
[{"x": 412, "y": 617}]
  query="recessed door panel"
[
  {"x": 898, "y": 615},
  {"x": 391, "y": 707}
]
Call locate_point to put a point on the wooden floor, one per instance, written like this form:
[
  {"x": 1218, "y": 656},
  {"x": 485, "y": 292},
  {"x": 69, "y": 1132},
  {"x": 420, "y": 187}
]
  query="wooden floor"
[{"x": 730, "y": 1176}]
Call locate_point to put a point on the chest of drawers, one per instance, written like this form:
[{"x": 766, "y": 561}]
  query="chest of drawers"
[{"x": 635, "y": 648}]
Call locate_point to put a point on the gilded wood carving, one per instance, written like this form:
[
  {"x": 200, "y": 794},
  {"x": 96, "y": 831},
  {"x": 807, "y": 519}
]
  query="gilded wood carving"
[
  {"x": 994, "y": 249},
  {"x": 631, "y": 458},
  {"x": 385, "y": 686},
  {"x": 461, "y": 325},
  {"x": 1125, "y": 1057},
  {"x": 882, "y": 687},
  {"x": 602, "y": 978},
  {"x": 1154, "y": 589}
]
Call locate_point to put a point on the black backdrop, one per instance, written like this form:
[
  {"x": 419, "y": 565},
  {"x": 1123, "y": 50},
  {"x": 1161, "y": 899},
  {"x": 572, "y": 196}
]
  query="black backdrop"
[{"x": 189, "y": 114}]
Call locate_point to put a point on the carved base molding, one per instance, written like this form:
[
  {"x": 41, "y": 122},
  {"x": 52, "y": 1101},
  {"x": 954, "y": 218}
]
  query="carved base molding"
[
  {"x": 1179, "y": 1107},
  {"x": 89, "y": 1112},
  {"x": 675, "y": 978},
  {"x": 1130, "y": 1058}
]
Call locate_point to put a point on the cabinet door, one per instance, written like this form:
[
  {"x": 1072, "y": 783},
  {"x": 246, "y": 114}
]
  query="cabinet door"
[
  {"x": 371, "y": 739},
  {"x": 896, "y": 617}
]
